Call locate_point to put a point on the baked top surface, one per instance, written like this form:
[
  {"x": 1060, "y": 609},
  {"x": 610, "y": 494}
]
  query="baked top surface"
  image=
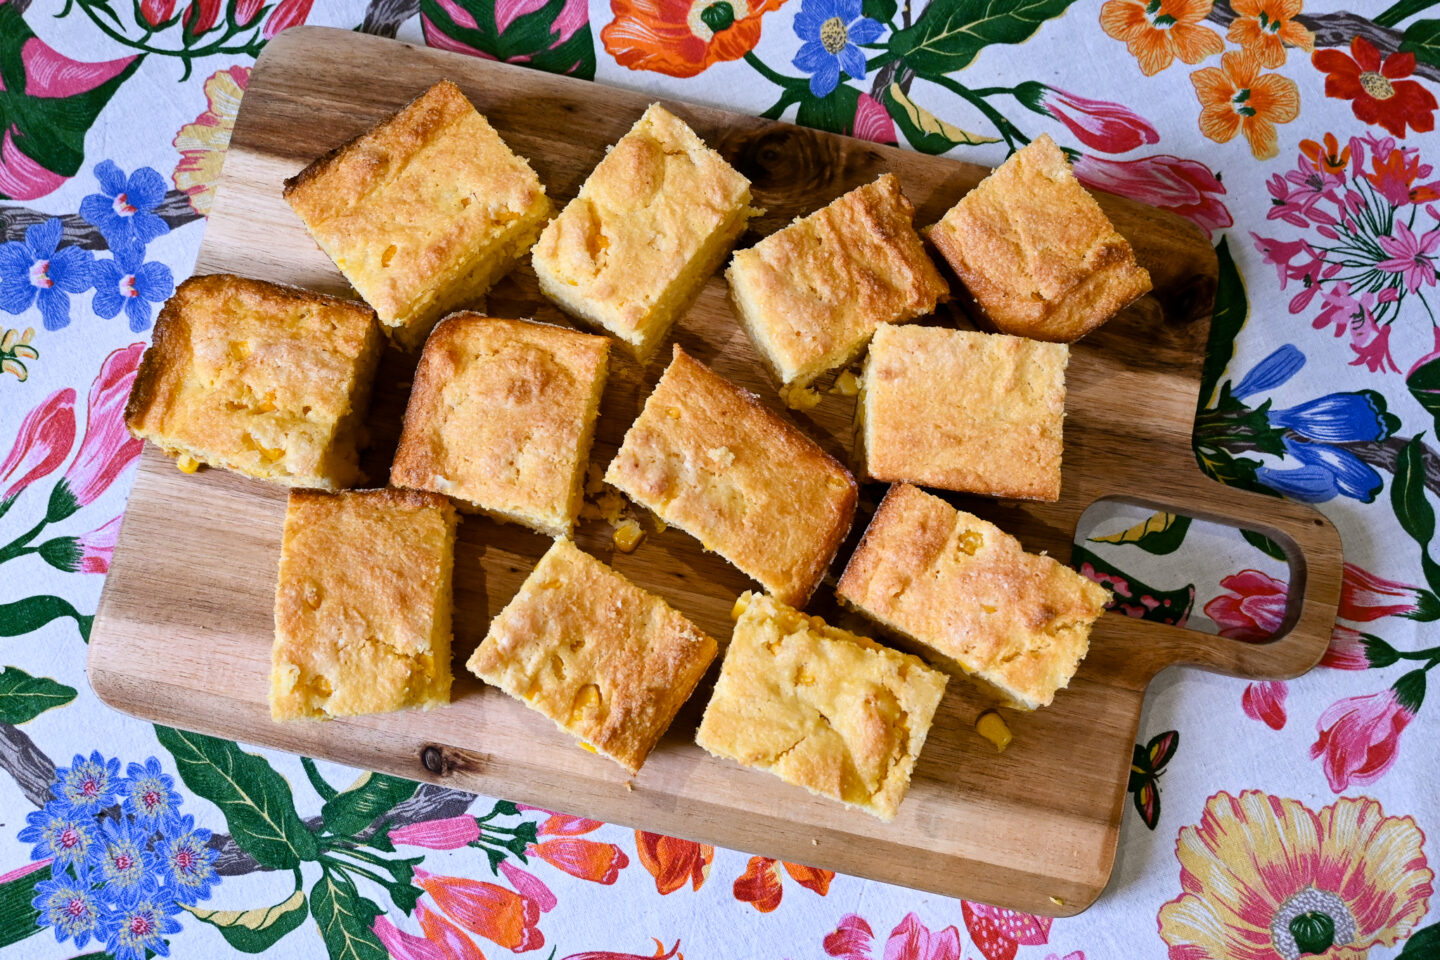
[
  {"x": 500, "y": 413},
  {"x": 362, "y": 605},
  {"x": 607, "y": 661},
  {"x": 819, "y": 287},
  {"x": 643, "y": 216},
  {"x": 706, "y": 456},
  {"x": 259, "y": 374},
  {"x": 410, "y": 205},
  {"x": 1036, "y": 251},
  {"x": 969, "y": 591},
  {"x": 961, "y": 410},
  {"x": 820, "y": 707}
]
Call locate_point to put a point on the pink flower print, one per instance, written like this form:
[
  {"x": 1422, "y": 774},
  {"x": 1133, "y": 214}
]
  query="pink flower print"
[
  {"x": 1410, "y": 256},
  {"x": 448, "y": 833},
  {"x": 108, "y": 449},
  {"x": 850, "y": 940},
  {"x": 405, "y": 946},
  {"x": 1266, "y": 702},
  {"x": 49, "y": 74},
  {"x": 98, "y": 546},
  {"x": 872, "y": 121},
  {"x": 1346, "y": 650},
  {"x": 1359, "y": 737},
  {"x": 1339, "y": 308},
  {"x": 529, "y": 885},
  {"x": 46, "y": 435},
  {"x": 1253, "y": 609},
  {"x": 1184, "y": 187},
  {"x": 1099, "y": 124},
  {"x": 912, "y": 940},
  {"x": 1366, "y": 597},
  {"x": 20, "y": 177},
  {"x": 999, "y": 933},
  {"x": 1371, "y": 343}
]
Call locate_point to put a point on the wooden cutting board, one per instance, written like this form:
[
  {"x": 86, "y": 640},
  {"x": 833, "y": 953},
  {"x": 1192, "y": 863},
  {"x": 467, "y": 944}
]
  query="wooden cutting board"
[{"x": 184, "y": 629}]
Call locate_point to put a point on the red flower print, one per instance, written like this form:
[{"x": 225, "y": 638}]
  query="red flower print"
[
  {"x": 529, "y": 885},
  {"x": 584, "y": 859},
  {"x": 872, "y": 121},
  {"x": 998, "y": 933},
  {"x": 672, "y": 861},
  {"x": 287, "y": 14},
  {"x": 449, "y": 833},
  {"x": 1184, "y": 187},
  {"x": 1253, "y": 610},
  {"x": 46, "y": 435},
  {"x": 1365, "y": 597},
  {"x": 107, "y": 448},
  {"x": 1099, "y": 124},
  {"x": 850, "y": 940},
  {"x": 760, "y": 884},
  {"x": 1346, "y": 650},
  {"x": 912, "y": 940},
  {"x": 201, "y": 15},
  {"x": 493, "y": 912},
  {"x": 1378, "y": 92},
  {"x": 681, "y": 38},
  {"x": 450, "y": 938},
  {"x": 156, "y": 12},
  {"x": 1266, "y": 702},
  {"x": 1359, "y": 737}
]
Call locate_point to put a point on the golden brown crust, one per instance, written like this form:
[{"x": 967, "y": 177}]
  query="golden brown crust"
[
  {"x": 650, "y": 224},
  {"x": 811, "y": 295},
  {"x": 362, "y": 604},
  {"x": 707, "y": 457},
  {"x": 423, "y": 212},
  {"x": 610, "y": 663},
  {"x": 1036, "y": 251},
  {"x": 975, "y": 412},
  {"x": 500, "y": 417},
  {"x": 820, "y": 707},
  {"x": 968, "y": 592},
  {"x": 266, "y": 380}
]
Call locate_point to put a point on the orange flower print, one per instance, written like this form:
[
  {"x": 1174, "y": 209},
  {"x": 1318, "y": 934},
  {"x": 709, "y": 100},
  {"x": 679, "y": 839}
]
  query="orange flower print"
[
  {"x": 1329, "y": 158},
  {"x": 761, "y": 886},
  {"x": 672, "y": 861},
  {"x": 682, "y": 38},
  {"x": 584, "y": 859},
  {"x": 1158, "y": 31},
  {"x": 1237, "y": 99},
  {"x": 487, "y": 909},
  {"x": 1265, "y": 27}
]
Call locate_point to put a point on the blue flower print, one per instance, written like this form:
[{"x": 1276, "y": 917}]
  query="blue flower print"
[
  {"x": 187, "y": 861},
  {"x": 123, "y": 862},
  {"x": 127, "y": 281},
  {"x": 70, "y": 907},
  {"x": 38, "y": 270},
  {"x": 1325, "y": 473},
  {"x": 1274, "y": 371},
  {"x": 1339, "y": 418},
  {"x": 132, "y": 929},
  {"x": 89, "y": 786},
  {"x": 58, "y": 831},
  {"x": 831, "y": 29},
  {"x": 124, "y": 209},
  {"x": 150, "y": 795}
]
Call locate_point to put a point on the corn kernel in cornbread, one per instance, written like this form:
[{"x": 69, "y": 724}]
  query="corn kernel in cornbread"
[
  {"x": 975, "y": 412},
  {"x": 820, "y": 707},
  {"x": 707, "y": 457},
  {"x": 968, "y": 593},
  {"x": 501, "y": 416},
  {"x": 362, "y": 608},
  {"x": 423, "y": 213},
  {"x": 650, "y": 225},
  {"x": 811, "y": 295},
  {"x": 268, "y": 381},
  {"x": 1036, "y": 251},
  {"x": 610, "y": 663}
]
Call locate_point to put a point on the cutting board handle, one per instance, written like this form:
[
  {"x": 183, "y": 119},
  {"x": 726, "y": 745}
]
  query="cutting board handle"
[{"x": 1138, "y": 649}]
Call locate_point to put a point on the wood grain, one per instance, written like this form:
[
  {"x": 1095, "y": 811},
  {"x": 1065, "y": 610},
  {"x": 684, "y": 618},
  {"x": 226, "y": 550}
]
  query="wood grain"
[{"x": 184, "y": 629}]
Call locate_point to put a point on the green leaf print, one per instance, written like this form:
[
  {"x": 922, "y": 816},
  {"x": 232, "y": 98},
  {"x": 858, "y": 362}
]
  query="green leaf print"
[
  {"x": 32, "y": 613},
  {"x": 1422, "y": 38},
  {"x": 1423, "y": 945},
  {"x": 256, "y": 800},
  {"x": 345, "y": 918},
  {"x": 372, "y": 796},
  {"x": 1263, "y": 543},
  {"x": 254, "y": 931},
  {"x": 23, "y": 697},
  {"x": 950, "y": 33},
  {"x": 834, "y": 112},
  {"x": 1232, "y": 307},
  {"x": 18, "y": 919},
  {"x": 1160, "y": 533}
]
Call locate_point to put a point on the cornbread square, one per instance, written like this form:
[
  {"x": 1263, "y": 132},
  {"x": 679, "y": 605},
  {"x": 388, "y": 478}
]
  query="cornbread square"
[
  {"x": 610, "y": 663},
  {"x": 1036, "y": 251},
  {"x": 811, "y": 295},
  {"x": 501, "y": 416},
  {"x": 968, "y": 593},
  {"x": 707, "y": 457},
  {"x": 650, "y": 225},
  {"x": 362, "y": 609},
  {"x": 268, "y": 381},
  {"x": 975, "y": 412},
  {"x": 820, "y": 707},
  {"x": 424, "y": 212}
]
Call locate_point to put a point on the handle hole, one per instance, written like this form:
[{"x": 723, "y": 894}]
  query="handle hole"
[{"x": 1210, "y": 577}]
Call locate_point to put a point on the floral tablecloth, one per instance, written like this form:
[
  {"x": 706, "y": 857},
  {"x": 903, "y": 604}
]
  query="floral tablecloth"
[{"x": 1298, "y": 819}]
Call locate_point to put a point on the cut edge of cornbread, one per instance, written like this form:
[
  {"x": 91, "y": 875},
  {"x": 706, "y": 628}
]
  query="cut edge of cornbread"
[
  {"x": 435, "y": 694},
  {"x": 340, "y": 463},
  {"x": 926, "y": 685}
]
